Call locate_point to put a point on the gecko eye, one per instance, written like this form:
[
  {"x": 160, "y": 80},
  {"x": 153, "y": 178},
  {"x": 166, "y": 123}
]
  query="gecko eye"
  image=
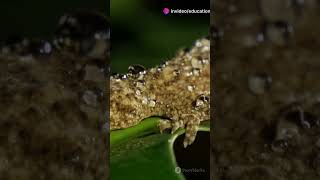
[{"x": 83, "y": 32}]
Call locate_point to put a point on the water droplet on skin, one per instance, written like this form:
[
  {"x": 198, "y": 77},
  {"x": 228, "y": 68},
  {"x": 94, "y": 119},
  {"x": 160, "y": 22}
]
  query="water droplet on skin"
[
  {"x": 188, "y": 56},
  {"x": 141, "y": 76},
  {"x": 76, "y": 159},
  {"x": 118, "y": 77},
  {"x": 102, "y": 36},
  {"x": 159, "y": 69},
  {"x": 144, "y": 100},
  {"x": 279, "y": 146},
  {"x": 152, "y": 103},
  {"x": 260, "y": 37},
  {"x": 46, "y": 48},
  {"x": 75, "y": 30},
  {"x": 136, "y": 69},
  {"x": 259, "y": 83},
  {"x": 138, "y": 93},
  {"x": 139, "y": 84},
  {"x": 123, "y": 76},
  {"x": 278, "y": 32},
  {"x": 198, "y": 44},
  {"x": 205, "y": 61},
  {"x": 152, "y": 96},
  {"x": 176, "y": 72},
  {"x": 205, "y": 49},
  {"x": 200, "y": 102},
  {"x": 196, "y": 63},
  {"x": 190, "y": 88},
  {"x": 196, "y": 72},
  {"x": 189, "y": 73},
  {"x": 90, "y": 98}
]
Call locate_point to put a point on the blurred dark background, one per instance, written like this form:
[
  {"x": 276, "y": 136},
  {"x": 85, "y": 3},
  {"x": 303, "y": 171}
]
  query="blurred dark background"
[
  {"x": 142, "y": 34},
  {"x": 266, "y": 119},
  {"x": 37, "y": 18}
]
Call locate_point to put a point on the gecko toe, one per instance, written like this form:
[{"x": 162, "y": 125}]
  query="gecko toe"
[
  {"x": 192, "y": 127},
  {"x": 176, "y": 125},
  {"x": 164, "y": 124}
]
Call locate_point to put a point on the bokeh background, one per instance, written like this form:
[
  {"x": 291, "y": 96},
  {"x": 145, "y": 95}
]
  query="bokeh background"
[
  {"x": 142, "y": 34},
  {"x": 37, "y": 18}
]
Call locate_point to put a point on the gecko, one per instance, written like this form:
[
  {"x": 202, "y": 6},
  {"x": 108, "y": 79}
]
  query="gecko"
[{"x": 178, "y": 90}]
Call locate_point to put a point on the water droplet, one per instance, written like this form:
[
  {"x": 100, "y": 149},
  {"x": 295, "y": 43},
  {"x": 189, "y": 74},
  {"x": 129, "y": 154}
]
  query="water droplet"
[
  {"x": 259, "y": 83},
  {"x": 138, "y": 93},
  {"x": 77, "y": 29},
  {"x": 279, "y": 146},
  {"x": 205, "y": 49},
  {"x": 260, "y": 37},
  {"x": 278, "y": 32},
  {"x": 159, "y": 69},
  {"x": 90, "y": 98},
  {"x": 176, "y": 72},
  {"x": 190, "y": 88},
  {"x": 152, "y": 103},
  {"x": 198, "y": 43},
  {"x": 117, "y": 76},
  {"x": 136, "y": 69},
  {"x": 152, "y": 96},
  {"x": 141, "y": 76},
  {"x": 189, "y": 73},
  {"x": 139, "y": 84},
  {"x": 201, "y": 102},
  {"x": 196, "y": 63},
  {"x": 46, "y": 48},
  {"x": 216, "y": 34},
  {"x": 205, "y": 61},
  {"x": 196, "y": 71},
  {"x": 144, "y": 100}
]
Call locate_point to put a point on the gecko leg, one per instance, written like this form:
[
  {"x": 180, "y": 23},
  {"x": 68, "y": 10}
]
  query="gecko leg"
[
  {"x": 169, "y": 124},
  {"x": 191, "y": 124}
]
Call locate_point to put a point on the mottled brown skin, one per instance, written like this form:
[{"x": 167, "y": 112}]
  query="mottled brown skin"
[{"x": 178, "y": 90}]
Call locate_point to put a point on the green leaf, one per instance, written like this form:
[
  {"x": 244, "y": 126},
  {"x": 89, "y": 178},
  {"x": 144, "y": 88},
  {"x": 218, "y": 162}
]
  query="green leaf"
[
  {"x": 140, "y": 152},
  {"x": 146, "y": 126}
]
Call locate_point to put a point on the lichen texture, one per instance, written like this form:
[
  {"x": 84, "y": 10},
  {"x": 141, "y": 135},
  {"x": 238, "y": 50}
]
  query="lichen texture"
[{"x": 178, "y": 90}]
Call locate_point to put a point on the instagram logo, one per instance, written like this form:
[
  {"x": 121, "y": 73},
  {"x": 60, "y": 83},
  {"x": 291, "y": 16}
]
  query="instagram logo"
[{"x": 166, "y": 11}]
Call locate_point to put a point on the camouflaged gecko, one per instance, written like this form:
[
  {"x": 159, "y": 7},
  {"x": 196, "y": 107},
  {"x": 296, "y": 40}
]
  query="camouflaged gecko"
[{"x": 178, "y": 90}]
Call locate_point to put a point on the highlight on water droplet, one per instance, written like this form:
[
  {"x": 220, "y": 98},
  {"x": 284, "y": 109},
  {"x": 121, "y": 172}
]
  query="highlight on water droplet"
[{"x": 166, "y": 11}]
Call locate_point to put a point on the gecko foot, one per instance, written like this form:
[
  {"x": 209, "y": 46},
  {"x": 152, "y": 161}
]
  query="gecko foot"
[
  {"x": 190, "y": 124},
  {"x": 169, "y": 124}
]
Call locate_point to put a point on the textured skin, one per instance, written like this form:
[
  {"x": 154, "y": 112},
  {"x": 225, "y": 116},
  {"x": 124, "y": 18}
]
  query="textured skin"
[{"x": 178, "y": 90}]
